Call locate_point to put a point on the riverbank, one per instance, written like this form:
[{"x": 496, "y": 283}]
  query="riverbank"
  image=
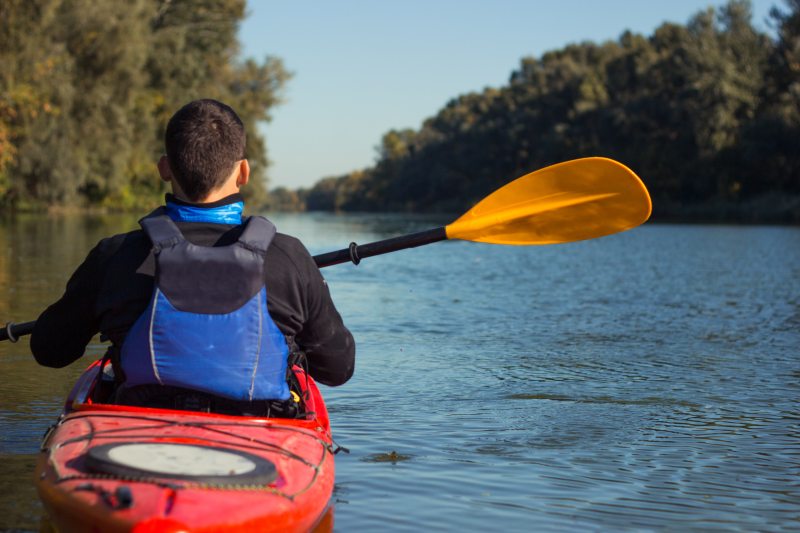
[{"x": 770, "y": 208}]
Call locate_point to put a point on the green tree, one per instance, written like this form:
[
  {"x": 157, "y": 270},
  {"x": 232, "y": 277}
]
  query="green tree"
[
  {"x": 769, "y": 154},
  {"x": 87, "y": 88}
]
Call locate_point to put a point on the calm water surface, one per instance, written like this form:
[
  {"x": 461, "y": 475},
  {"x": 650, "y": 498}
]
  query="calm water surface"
[{"x": 643, "y": 381}]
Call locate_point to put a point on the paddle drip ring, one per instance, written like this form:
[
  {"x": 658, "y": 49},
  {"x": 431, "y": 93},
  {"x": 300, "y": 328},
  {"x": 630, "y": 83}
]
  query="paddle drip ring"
[
  {"x": 10, "y": 333},
  {"x": 354, "y": 253}
]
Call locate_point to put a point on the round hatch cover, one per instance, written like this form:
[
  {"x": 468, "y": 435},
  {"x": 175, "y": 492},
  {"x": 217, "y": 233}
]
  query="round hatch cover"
[{"x": 192, "y": 462}]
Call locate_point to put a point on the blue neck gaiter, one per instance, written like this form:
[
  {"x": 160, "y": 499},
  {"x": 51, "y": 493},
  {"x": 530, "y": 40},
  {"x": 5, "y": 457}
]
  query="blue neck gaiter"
[{"x": 221, "y": 214}]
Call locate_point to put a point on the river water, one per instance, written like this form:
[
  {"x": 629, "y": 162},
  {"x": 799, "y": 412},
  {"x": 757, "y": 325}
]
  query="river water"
[{"x": 643, "y": 381}]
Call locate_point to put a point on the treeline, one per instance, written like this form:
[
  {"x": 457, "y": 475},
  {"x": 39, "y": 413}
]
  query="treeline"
[
  {"x": 708, "y": 113},
  {"x": 87, "y": 87}
]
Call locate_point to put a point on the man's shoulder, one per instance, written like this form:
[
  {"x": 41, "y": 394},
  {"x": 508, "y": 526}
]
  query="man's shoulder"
[
  {"x": 120, "y": 240},
  {"x": 290, "y": 250},
  {"x": 290, "y": 246},
  {"x": 288, "y": 243},
  {"x": 133, "y": 239}
]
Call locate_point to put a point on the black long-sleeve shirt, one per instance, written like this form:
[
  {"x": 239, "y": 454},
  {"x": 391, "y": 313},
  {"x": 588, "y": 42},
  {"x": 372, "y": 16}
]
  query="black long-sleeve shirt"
[{"x": 113, "y": 286}]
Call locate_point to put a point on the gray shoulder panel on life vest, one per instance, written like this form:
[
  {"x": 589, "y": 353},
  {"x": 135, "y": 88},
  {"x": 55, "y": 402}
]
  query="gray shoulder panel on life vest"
[
  {"x": 208, "y": 279},
  {"x": 258, "y": 234},
  {"x": 161, "y": 230}
]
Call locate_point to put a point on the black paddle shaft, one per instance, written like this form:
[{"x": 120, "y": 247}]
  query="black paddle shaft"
[
  {"x": 355, "y": 253},
  {"x": 12, "y": 332}
]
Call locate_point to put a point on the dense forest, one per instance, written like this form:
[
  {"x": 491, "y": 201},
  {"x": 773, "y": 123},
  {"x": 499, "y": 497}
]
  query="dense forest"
[
  {"x": 708, "y": 113},
  {"x": 87, "y": 87}
]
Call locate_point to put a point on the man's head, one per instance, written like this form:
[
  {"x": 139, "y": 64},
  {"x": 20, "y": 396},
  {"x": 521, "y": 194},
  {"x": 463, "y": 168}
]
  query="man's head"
[{"x": 205, "y": 141}]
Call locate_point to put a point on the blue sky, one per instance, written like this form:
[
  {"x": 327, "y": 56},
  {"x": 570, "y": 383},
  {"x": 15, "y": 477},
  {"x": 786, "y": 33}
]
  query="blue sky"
[{"x": 363, "y": 67}]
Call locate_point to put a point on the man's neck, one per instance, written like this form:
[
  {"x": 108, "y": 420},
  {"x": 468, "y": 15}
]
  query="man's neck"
[
  {"x": 226, "y": 190},
  {"x": 179, "y": 200},
  {"x": 215, "y": 196}
]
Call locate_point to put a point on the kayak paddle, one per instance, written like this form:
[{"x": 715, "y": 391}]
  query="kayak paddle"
[{"x": 571, "y": 201}]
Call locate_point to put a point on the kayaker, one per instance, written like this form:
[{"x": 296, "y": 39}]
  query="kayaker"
[{"x": 182, "y": 300}]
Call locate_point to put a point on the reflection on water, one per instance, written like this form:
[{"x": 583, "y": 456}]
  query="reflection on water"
[{"x": 647, "y": 380}]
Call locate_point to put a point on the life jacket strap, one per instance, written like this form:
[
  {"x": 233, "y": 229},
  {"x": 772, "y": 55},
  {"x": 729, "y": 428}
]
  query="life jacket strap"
[
  {"x": 162, "y": 230},
  {"x": 258, "y": 234}
]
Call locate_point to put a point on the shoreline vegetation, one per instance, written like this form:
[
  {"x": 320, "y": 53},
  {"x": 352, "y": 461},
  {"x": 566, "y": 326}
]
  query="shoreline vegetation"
[
  {"x": 707, "y": 113},
  {"x": 771, "y": 209}
]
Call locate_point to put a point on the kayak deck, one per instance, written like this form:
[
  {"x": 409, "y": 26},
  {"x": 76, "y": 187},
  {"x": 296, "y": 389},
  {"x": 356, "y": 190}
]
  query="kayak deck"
[{"x": 115, "y": 468}]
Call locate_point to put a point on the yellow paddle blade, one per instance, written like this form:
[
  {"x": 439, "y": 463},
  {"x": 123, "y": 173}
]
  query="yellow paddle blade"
[{"x": 571, "y": 201}]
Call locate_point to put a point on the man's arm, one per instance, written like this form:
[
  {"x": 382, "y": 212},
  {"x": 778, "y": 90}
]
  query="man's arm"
[
  {"x": 328, "y": 344},
  {"x": 301, "y": 305},
  {"x": 64, "y": 329}
]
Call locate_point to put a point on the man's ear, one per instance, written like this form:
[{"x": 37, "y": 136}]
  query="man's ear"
[
  {"x": 244, "y": 173},
  {"x": 163, "y": 169}
]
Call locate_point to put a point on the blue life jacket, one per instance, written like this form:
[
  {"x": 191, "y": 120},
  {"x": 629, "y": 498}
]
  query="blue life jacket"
[{"x": 207, "y": 327}]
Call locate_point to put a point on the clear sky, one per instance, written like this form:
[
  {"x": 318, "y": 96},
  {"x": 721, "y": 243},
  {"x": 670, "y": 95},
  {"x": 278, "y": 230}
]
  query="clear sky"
[{"x": 363, "y": 67}]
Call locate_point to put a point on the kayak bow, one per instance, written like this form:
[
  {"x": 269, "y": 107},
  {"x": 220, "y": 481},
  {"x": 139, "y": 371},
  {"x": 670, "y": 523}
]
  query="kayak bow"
[{"x": 114, "y": 468}]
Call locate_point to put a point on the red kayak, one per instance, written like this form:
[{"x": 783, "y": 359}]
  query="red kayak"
[{"x": 112, "y": 468}]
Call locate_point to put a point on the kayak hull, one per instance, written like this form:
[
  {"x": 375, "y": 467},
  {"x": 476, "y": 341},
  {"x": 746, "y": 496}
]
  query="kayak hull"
[{"x": 198, "y": 494}]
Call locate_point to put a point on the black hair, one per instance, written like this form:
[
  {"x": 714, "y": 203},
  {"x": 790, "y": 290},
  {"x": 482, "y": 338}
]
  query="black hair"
[{"x": 204, "y": 141}]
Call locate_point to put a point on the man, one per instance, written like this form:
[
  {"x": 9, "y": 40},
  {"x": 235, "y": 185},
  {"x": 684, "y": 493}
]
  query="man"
[{"x": 182, "y": 301}]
